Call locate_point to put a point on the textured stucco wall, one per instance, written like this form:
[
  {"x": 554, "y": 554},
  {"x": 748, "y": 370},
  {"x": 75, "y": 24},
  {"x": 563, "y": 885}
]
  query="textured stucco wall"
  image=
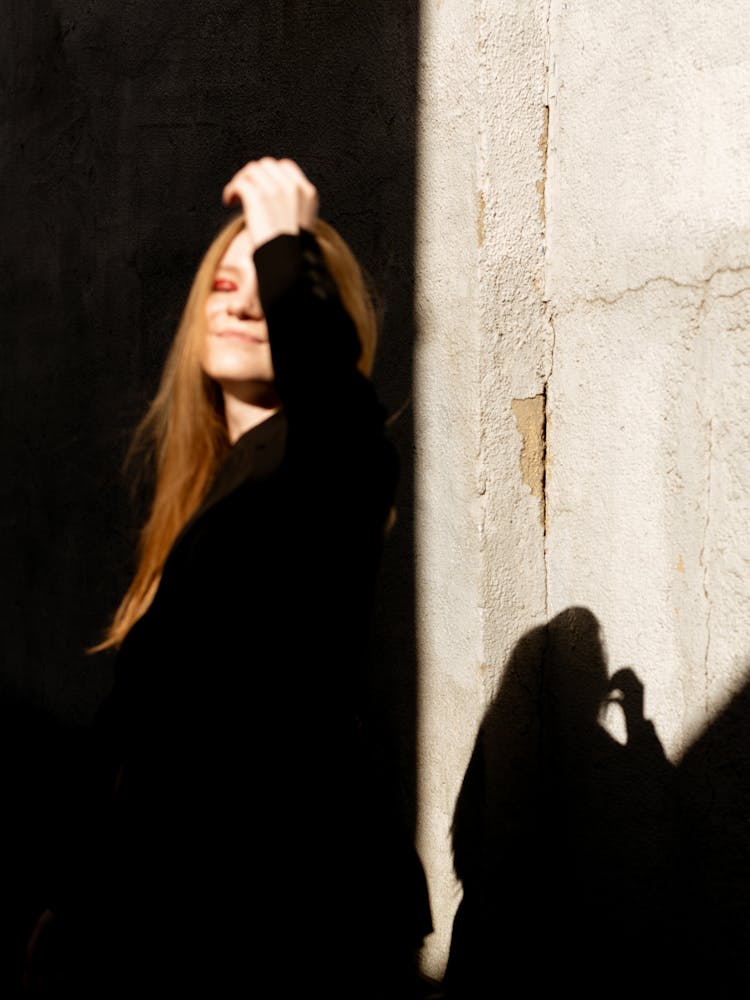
[
  {"x": 483, "y": 341},
  {"x": 648, "y": 462},
  {"x": 648, "y": 276},
  {"x": 582, "y": 474},
  {"x": 581, "y": 401}
]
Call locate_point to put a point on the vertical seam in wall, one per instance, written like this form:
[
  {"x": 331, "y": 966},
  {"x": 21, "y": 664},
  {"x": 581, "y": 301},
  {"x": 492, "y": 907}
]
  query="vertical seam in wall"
[
  {"x": 550, "y": 315},
  {"x": 705, "y": 563},
  {"x": 545, "y": 469},
  {"x": 480, "y": 160},
  {"x": 704, "y": 558}
]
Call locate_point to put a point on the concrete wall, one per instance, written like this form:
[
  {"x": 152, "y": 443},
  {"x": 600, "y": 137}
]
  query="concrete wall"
[
  {"x": 482, "y": 356},
  {"x": 649, "y": 279},
  {"x": 583, "y": 458}
]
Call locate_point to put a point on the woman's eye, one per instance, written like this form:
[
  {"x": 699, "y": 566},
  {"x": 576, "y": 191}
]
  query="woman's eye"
[{"x": 223, "y": 285}]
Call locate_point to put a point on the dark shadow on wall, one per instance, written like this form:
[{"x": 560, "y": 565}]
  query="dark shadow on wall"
[
  {"x": 568, "y": 843},
  {"x": 121, "y": 122},
  {"x": 713, "y": 781}
]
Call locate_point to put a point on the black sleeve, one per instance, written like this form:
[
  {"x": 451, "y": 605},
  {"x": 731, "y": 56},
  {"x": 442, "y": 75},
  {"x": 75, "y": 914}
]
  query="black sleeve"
[{"x": 314, "y": 343}]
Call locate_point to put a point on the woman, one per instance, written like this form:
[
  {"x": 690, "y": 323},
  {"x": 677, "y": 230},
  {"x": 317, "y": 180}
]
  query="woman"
[{"x": 245, "y": 833}]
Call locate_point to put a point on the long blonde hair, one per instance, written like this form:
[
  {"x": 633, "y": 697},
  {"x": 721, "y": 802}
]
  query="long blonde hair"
[{"x": 184, "y": 431}]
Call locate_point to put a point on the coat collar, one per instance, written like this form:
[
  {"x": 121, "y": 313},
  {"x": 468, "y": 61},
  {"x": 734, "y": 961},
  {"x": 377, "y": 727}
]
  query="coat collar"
[{"x": 254, "y": 456}]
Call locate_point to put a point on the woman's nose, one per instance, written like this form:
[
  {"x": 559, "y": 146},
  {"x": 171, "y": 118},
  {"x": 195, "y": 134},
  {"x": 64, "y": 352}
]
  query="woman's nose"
[
  {"x": 245, "y": 304},
  {"x": 239, "y": 308}
]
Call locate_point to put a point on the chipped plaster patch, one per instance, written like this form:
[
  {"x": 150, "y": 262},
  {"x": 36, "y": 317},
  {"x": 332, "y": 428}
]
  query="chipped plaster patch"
[
  {"x": 530, "y": 421},
  {"x": 481, "y": 206},
  {"x": 541, "y": 184}
]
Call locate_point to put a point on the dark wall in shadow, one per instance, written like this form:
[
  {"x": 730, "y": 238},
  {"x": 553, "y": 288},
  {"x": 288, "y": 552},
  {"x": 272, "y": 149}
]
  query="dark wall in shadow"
[
  {"x": 566, "y": 841},
  {"x": 121, "y": 122}
]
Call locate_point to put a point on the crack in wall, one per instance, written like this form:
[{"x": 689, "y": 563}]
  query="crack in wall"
[
  {"x": 481, "y": 207},
  {"x": 701, "y": 285},
  {"x": 545, "y": 150},
  {"x": 545, "y": 471},
  {"x": 541, "y": 184}
]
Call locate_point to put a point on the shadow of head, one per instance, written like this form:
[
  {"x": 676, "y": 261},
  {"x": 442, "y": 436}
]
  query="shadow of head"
[{"x": 576, "y": 683}]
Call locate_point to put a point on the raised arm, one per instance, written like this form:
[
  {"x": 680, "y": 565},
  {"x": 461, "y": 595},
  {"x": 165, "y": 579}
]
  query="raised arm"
[{"x": 314, "y": 343}]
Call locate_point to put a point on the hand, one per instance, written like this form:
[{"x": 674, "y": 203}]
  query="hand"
[
  {"x": 627, "y": 689},
  {"x": 276, "y": 198}
]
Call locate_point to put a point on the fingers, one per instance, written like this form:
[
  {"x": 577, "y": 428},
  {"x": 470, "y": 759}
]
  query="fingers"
[
  {"x": 276, "y": 197},
  {"x": 252, "y": 172},
  {"x": 269, "y": 166}
]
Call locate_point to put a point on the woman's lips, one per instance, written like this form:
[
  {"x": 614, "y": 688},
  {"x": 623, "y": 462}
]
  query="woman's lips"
[{"x": 243, "y": 335}]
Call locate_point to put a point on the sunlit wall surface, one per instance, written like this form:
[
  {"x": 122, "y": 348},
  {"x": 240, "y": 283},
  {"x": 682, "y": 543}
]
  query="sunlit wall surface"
[
  {"x": 482, "y": 357},
  {"x": 583, "y": 460}
]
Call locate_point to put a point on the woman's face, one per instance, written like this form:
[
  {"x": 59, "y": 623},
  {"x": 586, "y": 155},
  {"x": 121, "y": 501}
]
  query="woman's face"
[{"x": 236, "y": 351}]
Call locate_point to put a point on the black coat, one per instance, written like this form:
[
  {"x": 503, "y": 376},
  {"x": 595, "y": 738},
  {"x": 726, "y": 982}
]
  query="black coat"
[{"x": 245, "y": 831}]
